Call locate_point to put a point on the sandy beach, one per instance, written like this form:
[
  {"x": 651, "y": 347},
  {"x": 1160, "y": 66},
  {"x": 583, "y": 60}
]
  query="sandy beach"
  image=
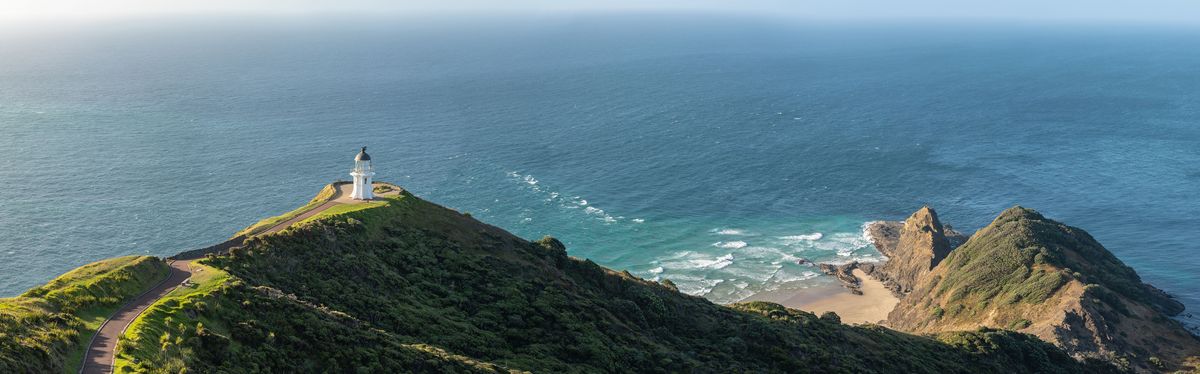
[{"x": 870, "y": 307}]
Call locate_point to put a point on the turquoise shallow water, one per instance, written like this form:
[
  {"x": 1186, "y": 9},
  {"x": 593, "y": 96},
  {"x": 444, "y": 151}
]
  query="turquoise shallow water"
[{"x": 712, "y": 151}]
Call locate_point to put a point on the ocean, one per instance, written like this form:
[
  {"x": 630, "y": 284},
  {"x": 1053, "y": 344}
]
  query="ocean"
[{"x": 715, "y": 151}]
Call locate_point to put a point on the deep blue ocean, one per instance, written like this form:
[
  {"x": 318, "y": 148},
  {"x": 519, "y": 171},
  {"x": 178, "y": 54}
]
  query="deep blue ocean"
[{"x": 714, "y": 151}]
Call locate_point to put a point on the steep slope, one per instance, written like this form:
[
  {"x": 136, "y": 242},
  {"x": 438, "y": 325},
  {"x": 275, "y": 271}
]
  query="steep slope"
[
  {"x": 919, "y": 245},
  {"x": 47, "y": 328},
  {"x": 411, "y": 286},
  {"x": 1031, "y": 274}
]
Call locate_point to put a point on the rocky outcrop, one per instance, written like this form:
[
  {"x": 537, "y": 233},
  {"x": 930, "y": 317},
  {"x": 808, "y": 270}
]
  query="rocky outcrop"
[
  {"x": 1027, "y": 273},
  {"x": 845, "y": 274},
  {"x": 885, "y": 235},
  {"x": 913, "y": 247}
]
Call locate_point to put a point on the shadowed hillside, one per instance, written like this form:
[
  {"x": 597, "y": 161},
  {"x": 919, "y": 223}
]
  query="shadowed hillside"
[{"x": 416, "y": 286}]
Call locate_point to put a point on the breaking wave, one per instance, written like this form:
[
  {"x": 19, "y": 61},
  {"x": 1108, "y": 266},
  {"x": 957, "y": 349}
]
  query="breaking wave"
[
  {"x": 805, "y": 237},
  {"x": 758, "y": 259},
  {"x": 731, "y": 245},
  {"x": 728, "y": 231},
  {"x": 531, "y": 183}
]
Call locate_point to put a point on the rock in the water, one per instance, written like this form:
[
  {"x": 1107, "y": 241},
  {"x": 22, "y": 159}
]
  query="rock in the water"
[{"x": 845, "y": 275}]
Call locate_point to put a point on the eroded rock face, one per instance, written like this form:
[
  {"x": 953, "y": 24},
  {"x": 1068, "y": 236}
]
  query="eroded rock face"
[
  {"x": 913, "y": 248},
  {"x": 1027, "y": 273}
]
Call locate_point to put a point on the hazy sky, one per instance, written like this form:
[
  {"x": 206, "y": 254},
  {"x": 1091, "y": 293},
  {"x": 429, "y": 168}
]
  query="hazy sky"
[{"x": 1165, "y": 11}]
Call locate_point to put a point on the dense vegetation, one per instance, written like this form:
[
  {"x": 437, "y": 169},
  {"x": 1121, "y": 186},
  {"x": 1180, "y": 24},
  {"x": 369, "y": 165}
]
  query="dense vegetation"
[
  {"x": 411, "y": 286},
  {"x": 1030, "y": 257},
  {"x": 46, "y": 329}
]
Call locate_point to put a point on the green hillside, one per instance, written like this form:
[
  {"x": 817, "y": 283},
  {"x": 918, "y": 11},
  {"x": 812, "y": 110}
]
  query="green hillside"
[
  {"x": 1028, "y": 273},
  {"x": 46, "y": 329},
  {"x": 410, "y": 286}
]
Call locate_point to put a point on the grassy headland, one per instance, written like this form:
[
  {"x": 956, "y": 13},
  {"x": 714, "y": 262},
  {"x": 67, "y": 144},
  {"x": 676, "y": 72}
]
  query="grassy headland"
[
  {"x": 47, "y": 328},
  {"x": 159, "y": 330},
  {"x": 406, "y": 285},
  {"x": 326, "y": 194},
  {"x": 1027, "y": 273}
]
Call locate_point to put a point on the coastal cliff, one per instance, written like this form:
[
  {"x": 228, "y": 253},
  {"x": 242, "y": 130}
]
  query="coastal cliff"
[
  {"x": 409, "y": 286},
  {"x": 913, "y": 248},
  {"x": 1027, "y": 273}
]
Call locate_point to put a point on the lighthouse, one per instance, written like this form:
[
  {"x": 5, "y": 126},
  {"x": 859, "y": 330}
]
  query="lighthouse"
[{"x": 362, "y": 173}]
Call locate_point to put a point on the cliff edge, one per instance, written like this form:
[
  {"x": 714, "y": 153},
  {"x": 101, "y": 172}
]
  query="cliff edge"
[
  {"x": 1027, "y": 273},
  {"x": 913, "y": 248},
  {"x": 410, "y": 286}
]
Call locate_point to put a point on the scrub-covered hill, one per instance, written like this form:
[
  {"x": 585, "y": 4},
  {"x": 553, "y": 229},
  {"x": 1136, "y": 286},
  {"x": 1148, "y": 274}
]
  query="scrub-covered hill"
[
  {"x": 411, "y": 286},
  {"x": 1027, "y": 273},
  {"x": 46, "y": 329}
]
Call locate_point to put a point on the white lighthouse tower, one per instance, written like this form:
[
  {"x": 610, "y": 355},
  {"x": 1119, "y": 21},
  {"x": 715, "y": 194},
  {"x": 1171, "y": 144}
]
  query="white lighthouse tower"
[{"x": 362, "y": 173}]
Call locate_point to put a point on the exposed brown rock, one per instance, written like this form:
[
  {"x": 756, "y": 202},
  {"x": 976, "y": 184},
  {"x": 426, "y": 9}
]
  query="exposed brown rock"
[
  {"x": 1027, "y": 273},
  {"x": 884, "y": 235},
  {"x": 845, "y": 274},
  {"x": 913, "y": 248}
]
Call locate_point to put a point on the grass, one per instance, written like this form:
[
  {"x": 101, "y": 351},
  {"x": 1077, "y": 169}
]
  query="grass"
[
  {"x": 34, "y": 337},
  {"x": 404, "y": 285},
  {"x": 92, "y": 320},
  {"x": 343, "y": 209},
  {"x": 47, "y": 328},
  {"x": 409, "y": 286},
  {"x": 327, "y": 193},
  {"x": 1016, "y": 272},
  {"x": 167, "y": 317},
  {"x": 322, "y": 197},
  {"x": 1015, "y": 262}
]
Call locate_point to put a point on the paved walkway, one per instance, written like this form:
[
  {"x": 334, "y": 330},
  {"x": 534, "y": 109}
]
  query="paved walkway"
[
  {"x": 340, "y": 196},
  {"x": 99, "y": 356}
]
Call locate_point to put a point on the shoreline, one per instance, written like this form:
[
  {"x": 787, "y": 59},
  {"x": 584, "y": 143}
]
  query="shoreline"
[{"x": 872, "y": 306}]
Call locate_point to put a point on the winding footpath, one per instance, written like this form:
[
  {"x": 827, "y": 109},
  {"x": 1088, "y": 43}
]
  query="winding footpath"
[{"x": 100, "y": 353}]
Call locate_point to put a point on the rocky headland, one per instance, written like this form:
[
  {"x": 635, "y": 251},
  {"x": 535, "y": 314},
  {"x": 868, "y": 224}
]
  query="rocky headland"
[
  {"x": 404, "y": 285},
  {"x": 1026, "y": 273}
]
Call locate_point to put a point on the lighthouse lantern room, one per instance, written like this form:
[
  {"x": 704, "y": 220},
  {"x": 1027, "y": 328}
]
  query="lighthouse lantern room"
[{"x": 362, "y": 173}]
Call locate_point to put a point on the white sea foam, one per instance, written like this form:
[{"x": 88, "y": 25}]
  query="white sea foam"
[
  {"x": 720, "y": 262},
  {"x": 731, "y": 245},
  {"x": 709, "y": 284},
  {"x": 639, "y": 220},
  {"x": 784, "y": 276},
  {"x": 866, "y": 234},
  {"x": 755, "y": 271},
  {"x": 657, "y": 270},
  {"x": 689, "y": 261},
  {"x": 745, "y": 261},
  {"x": 694, "y": 285},
  {"x": 805, "y": 237},
  {"x": 533, "y": 184}
]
